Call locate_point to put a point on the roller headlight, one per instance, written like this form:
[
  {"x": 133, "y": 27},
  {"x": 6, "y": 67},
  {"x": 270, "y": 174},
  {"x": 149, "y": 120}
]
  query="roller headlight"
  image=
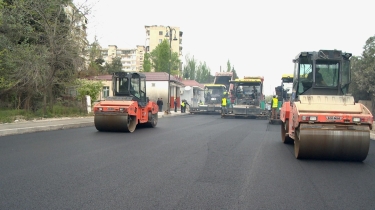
[
  {"x": 309, "y": 118},
  {"x": 356, "y": 119}
]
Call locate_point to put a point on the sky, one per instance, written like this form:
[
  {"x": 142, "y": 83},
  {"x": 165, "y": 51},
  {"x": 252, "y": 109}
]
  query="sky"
[{"x": 259, "y": 38}]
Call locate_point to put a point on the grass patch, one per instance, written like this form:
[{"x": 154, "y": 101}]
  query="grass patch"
[{"x": 11, "y": 115}]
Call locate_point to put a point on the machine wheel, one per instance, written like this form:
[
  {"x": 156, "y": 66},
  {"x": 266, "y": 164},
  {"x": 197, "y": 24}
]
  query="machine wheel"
[
  {"x": 284, "y": 129},
  {"x": 152, "y": 119},
  {"x": 131, "y": 124},
  {"x": 297, "y": 144}
]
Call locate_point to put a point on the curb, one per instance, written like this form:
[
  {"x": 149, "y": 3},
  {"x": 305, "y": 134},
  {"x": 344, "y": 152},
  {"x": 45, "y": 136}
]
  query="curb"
[
  {"x": 62, "y": 126},
  {"x": 33, "y": 129}
]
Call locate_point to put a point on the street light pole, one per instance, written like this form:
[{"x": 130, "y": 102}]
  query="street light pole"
[{"x": 170, "y": 30}]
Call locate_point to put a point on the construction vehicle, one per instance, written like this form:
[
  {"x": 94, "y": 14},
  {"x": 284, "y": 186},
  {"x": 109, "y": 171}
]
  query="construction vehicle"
[
  {"x": 128, "y": 107},
  {"x": 224, "y": 78},
  {"x": 212, "y": 100},
  {"x": 283, "y": 93},
  {"x": 213, "y": 94},
  {"x": 321, "y": 118},
  {"x": 248, "y": 99}
]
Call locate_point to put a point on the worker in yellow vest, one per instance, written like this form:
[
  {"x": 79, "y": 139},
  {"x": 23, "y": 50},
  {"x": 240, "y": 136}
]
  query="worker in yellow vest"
[
  {"x": 224, "y": 103},
  {"x": 274, "y": 105},
  {"x": 183, "y": 106}
]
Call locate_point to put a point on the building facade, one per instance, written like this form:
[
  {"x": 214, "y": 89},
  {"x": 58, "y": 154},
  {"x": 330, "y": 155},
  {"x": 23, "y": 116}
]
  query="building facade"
[
  {"x": 156, "y": 34},
  {"x": 131, "y": 59},
  {"x": 78, "y": 27}
]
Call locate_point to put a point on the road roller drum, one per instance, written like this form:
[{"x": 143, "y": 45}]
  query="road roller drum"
[
  {"x": 123, "y": 123},
  {"x": 332, "y": 142}
]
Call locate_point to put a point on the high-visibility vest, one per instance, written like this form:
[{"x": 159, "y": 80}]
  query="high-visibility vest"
[
  {"x": 224, "y": 102},
  {"x": 183, "y": 104},
  {"x": 275, "y": 103}
]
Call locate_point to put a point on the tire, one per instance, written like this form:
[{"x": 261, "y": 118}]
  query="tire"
[
  {"x": 284, "y": 130},
  {"x": 153, "y": 120}
]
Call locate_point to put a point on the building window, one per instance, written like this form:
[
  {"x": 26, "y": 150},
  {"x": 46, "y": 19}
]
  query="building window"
[
  {"x": 160, "y": 40},
  {"x": 105, "y": 91},
  {"x": 160, "y": 32}
]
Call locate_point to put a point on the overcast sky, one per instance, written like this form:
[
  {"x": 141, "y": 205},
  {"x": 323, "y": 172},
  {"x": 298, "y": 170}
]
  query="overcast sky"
[{"x": 258, "y": 37}]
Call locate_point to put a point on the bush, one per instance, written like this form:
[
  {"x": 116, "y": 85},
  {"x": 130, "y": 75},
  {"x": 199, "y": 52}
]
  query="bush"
[{"x": 10, "y": 115}]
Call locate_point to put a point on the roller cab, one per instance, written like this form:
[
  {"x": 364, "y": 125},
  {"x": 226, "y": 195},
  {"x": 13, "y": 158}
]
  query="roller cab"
[
  {"x": 128, "y": 106},
  {"x": 322, "y": 119}
]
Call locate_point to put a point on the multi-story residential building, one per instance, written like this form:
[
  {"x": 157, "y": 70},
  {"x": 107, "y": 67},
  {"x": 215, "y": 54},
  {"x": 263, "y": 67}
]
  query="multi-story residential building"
[
  {"x": 140, "y": 57},
  {"x": 78, "y": 26},
  {"x": 155, "y": 35},
  {"x": 131, "y": 59}
]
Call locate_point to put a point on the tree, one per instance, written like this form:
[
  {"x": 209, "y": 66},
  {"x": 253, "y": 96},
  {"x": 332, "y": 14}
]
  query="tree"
[
  {"x": 204, "y": 73},
  {"x": 189, "y": 71},
  {"x": 235, "y": 76},
  {"x": 228, "y": 66},
  {"x": 48, "y": 30},
  {"x": 147, "y": 63},
  {"x": 115, "y": 66},
  {"x": 160, "y": 57},
  {"x": 95, "y": 60},
  {"x": 87, "y": 87},
  {"x": 358, "y": 93},
  {"x": 363, "y": 73}
]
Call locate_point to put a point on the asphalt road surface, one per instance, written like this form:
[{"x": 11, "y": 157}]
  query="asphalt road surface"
[{"x": 186, "y": 162}]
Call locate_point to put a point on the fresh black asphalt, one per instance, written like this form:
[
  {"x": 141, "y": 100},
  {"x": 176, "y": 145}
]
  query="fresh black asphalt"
[{"x": 186, "y": 162}]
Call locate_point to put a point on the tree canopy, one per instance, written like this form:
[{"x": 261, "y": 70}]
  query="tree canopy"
[
  {"x": 362, "y": 86},
  {"x": 38, "y": 50},
  {"x": 161, "y": 56}
]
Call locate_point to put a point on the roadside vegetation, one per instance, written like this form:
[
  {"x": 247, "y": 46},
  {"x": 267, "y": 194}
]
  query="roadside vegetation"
[{"x": 17, "y": 115}]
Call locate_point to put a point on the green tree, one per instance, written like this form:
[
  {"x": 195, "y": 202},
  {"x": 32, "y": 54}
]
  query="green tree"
[
  {"x": 363, "y": 73},
  {"x": 160, "y": 57},
  {"x": 147, "y": 63},
  {"x": 228, "y": 66},
  {"x": 235, "y": 76},
  {"x": 88, "y": 87},
  {"x": 115, "y": 66},
  {"x": 204, "y": 73},
  {"x": 45, "y": 54},
  {"x": 354, "y": 89},
  {"x": 95, "y": 60},
  {"x": 189, "y": 71}
]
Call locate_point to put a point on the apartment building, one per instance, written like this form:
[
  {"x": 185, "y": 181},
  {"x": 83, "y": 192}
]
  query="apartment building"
[
  {"x": 131, "y": 59},
  {"x": 155, "y": 35},
  {"x": 78, "y": 26}
]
